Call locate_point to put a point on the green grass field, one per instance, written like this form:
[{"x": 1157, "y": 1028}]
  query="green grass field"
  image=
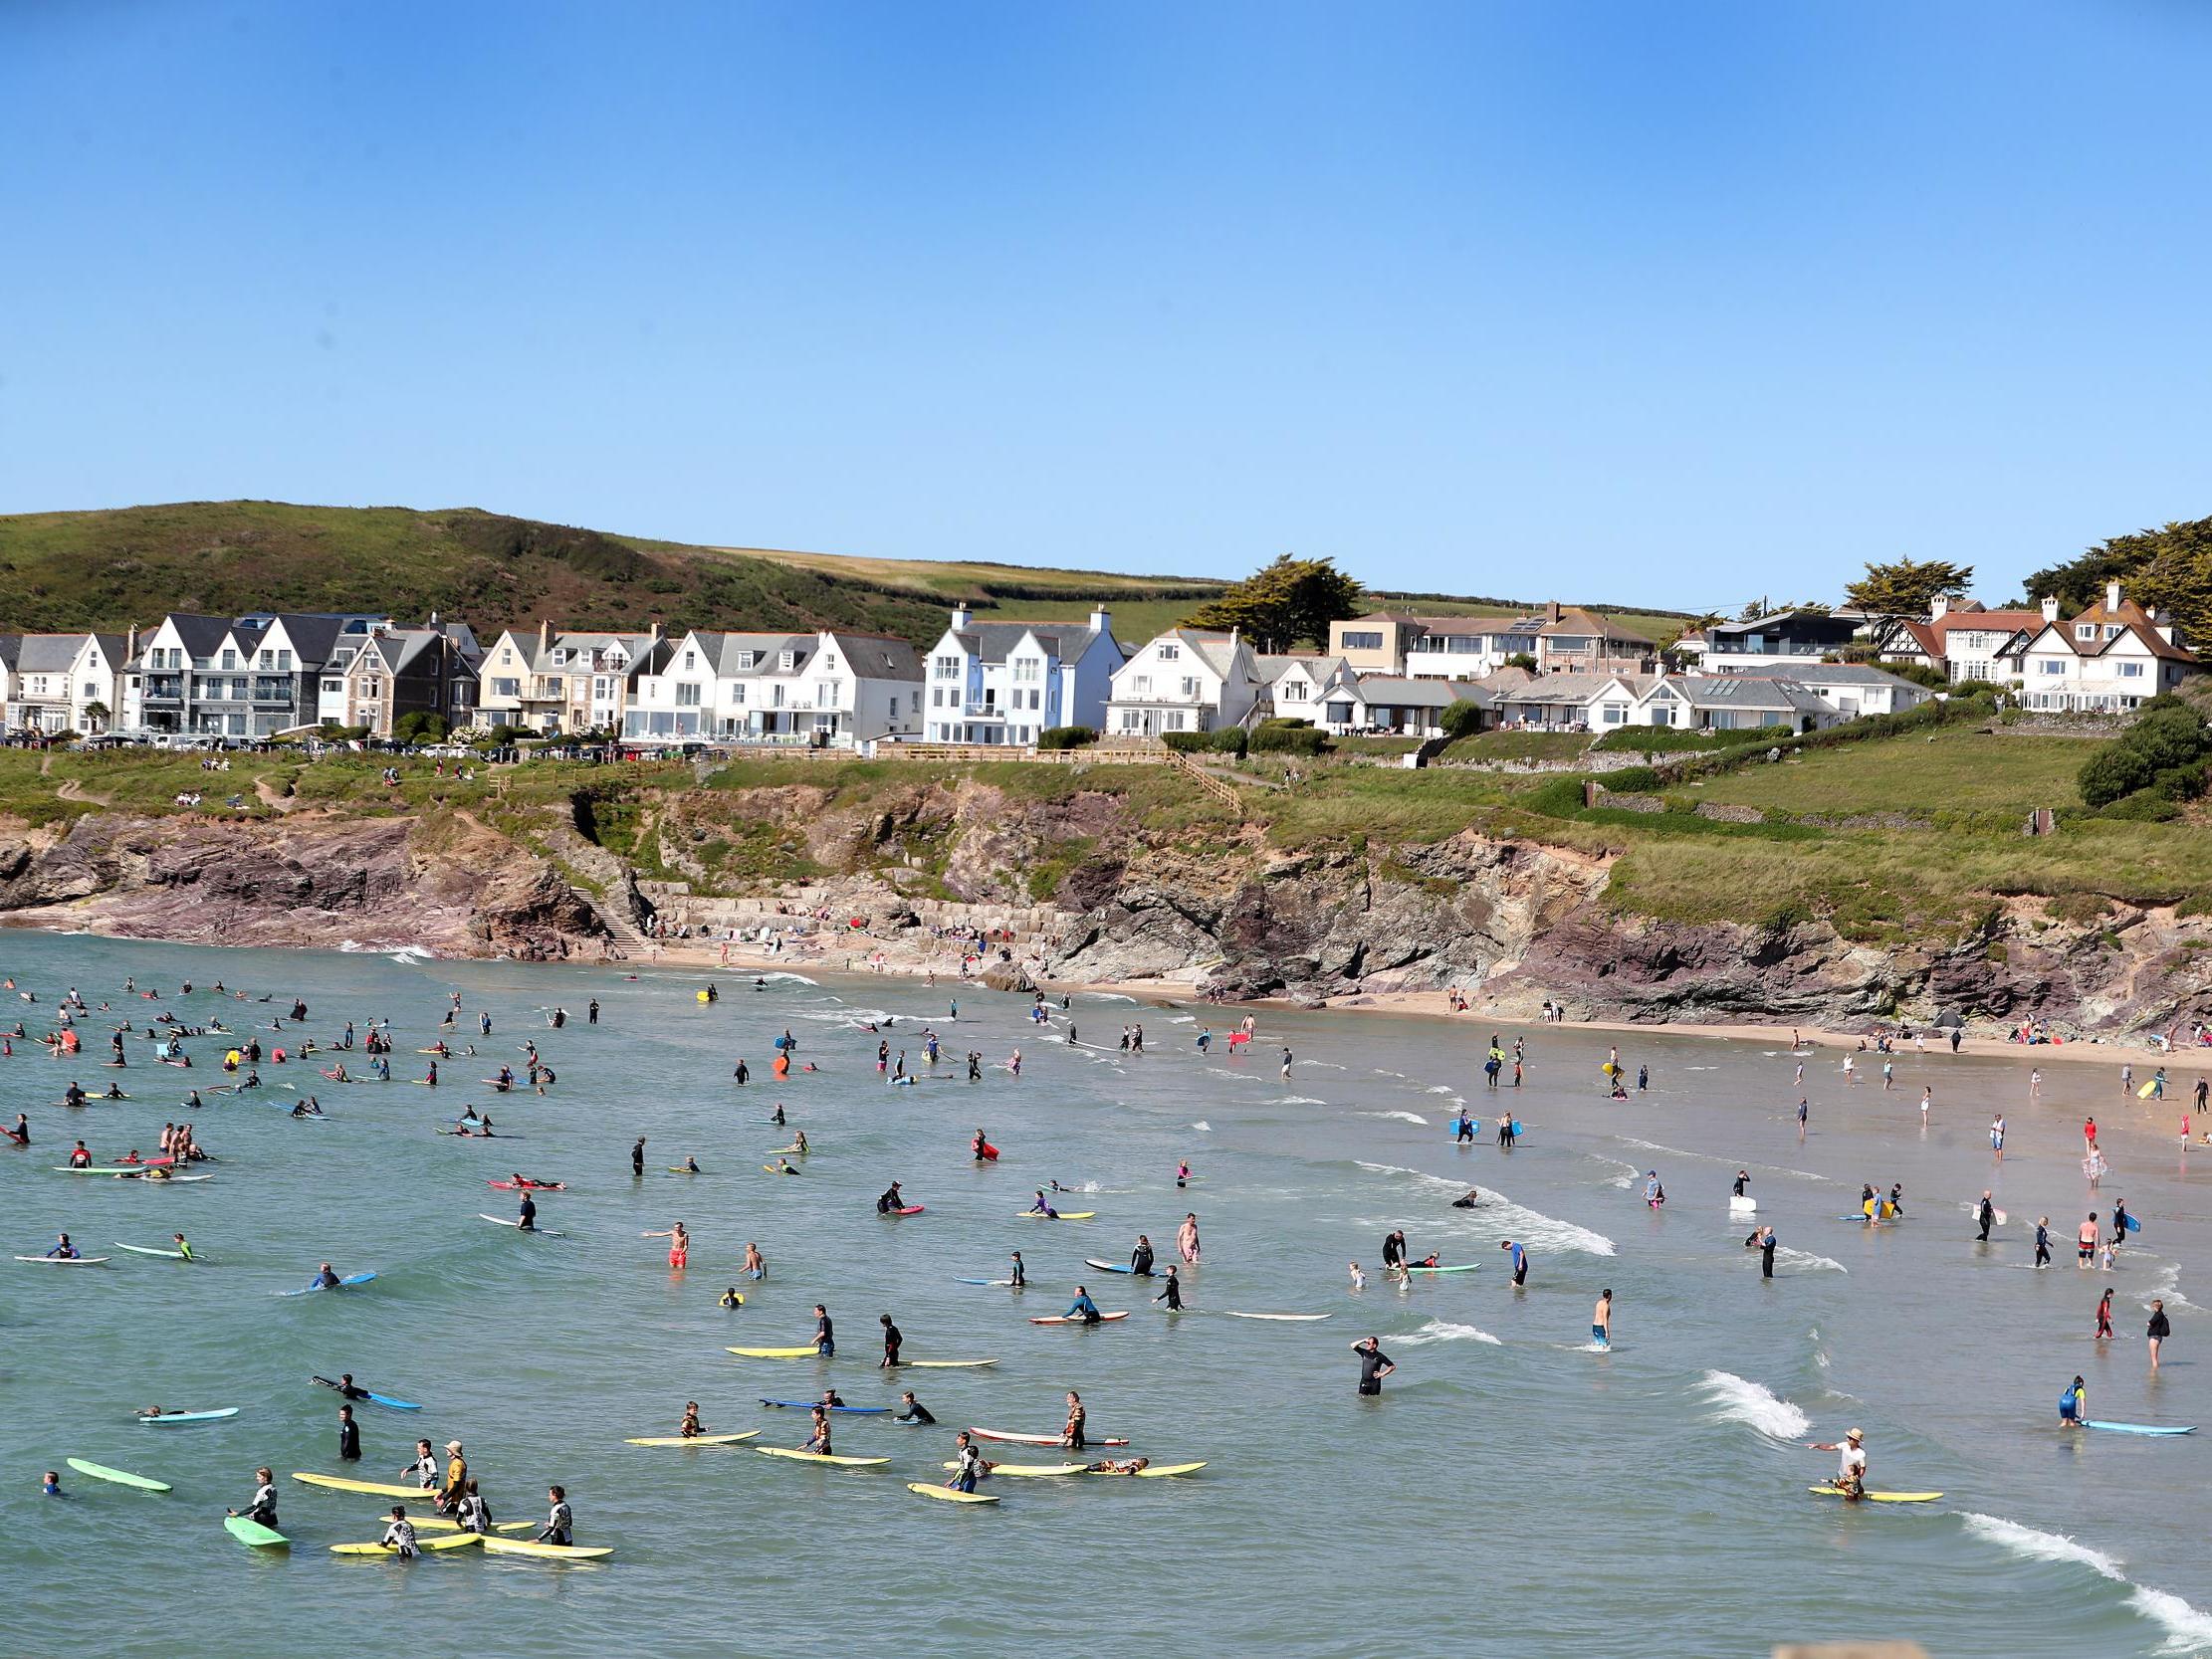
[{"x": 1952, "y": 770}]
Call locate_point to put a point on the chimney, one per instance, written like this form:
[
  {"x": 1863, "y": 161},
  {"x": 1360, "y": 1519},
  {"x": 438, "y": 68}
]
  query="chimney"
[
  {"x": 657, "y": 636},
  {"x": 960, "y": 618},
  {"x": 2112, "y": 595},
  {"x": 1552, "y": 612},
  {"x": 1102, "y": 620},
  {"x": 131, "y": 646},
  {"x": 545, "y": 637},
  {"x": 2050, "y": 608},
  {"x": 1939, "y": 607}
]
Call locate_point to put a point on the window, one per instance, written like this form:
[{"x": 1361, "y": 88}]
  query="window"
[
  {"x": 283, "y": 662},
  {"x": 499, "y": 687},
  {"x": 687, "y": 695},
  {"x": 945, "y": 668},
  {"x": 894, "y": 707},
  {"x": 230, "y": 659},
  {"x": 691, "y": 661},
  {"x": 2086, "y": 630},
  {"x": 1296, "y": 691},
  {"x": 776, "y": 695},
  {"x": 2130, "y": 671},
  {"x": 1170, "y": 652},
  {"x": 1362, "y": 640},
  {"x": 1190, "y": 687},
  {"x": 2050, "y": 664},
  {"x": 737, "y": 694},
  {"x": 787, "y": 660},
  {"x": 1142, "y": 685},
  {"x": 1615, "y": 714},
  {"x": 746, "y": 659},
  {"x": 331, "y": 688},
  {"x": 937, "y": 696},
  {"x": 1174, "y": 720}
]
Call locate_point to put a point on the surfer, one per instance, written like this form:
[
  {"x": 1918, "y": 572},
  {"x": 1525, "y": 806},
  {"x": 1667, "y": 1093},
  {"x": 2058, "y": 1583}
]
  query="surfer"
[
  {"x": 1743, "y": 1181},
  {"x": 456, "y": 1477},
  {"x": 1986, "y": 1215},
  {"x": 1041, "y": 1207},
  {"x": 689, "y": 1428},
  {"x": 1083, "y": 1308},
  {"x": 1140, "y": 1259},
  {"x": 891, "y": 1200},
  {"x": 345, "y": 1387},
  {"x": 423, "y": 1471},
  {"x": 473, "y": 1515},
  {"x": 1762, "y": 1240},
  {"x": 2043, "y": 1241},
  {"x": 979, "y": 1148},
  {"x": 1071, "y": 1433},
  {"x": 348, "y": 1436},
  {"x": 1021, "y": 1278},
  {"x": 1171, "y": 1292},
  {"x": 2104, "y": 1330},
  {"x": 637, "y": 1157},
  {"x": 1393, "y": 1249},
  {"x": 730, "y": 1299},
  {"x": 2158, "y": 1330},
  {"x": 2120, "y": 1224},
  {"x": 826, "y": 1336},
  {"x": 21, "y": 1133},
  {"x": 263, "y": 1509},
  {"x": 399, "y": 1536},
  {"x": 325, "y": 1279},
  {"x": 892, "y": 1341},
  {"x": 911, "y": 1410},
  {"x": 2074, "y": 1404},
  {"x": 818, "y": 1441},
  {"x": 1375, "y": 1365},
  {"x": 1850, "y": 1466},
  {"x": 560, "y": 1522}
]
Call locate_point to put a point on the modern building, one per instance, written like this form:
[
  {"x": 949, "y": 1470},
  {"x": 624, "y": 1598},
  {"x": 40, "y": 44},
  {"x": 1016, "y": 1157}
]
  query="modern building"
[
  {"x": 1005, "y": 681},
  {"x": 1781, "y": 638}
]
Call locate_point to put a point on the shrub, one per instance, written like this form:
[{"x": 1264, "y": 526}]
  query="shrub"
[
  {"x": 1230, "y": 740},
  {"x": 1632, "y": 780},
  {"x": 2168, "y": 739},
  {"x": 1289, "y": 740},
  {"x": 1286, "y": 720},
  {"x": 2146, "y": 806},
  {"x": 1067, "y": 737},
  {"x": 1462, "y": 719}
]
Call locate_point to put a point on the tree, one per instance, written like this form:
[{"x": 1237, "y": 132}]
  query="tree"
[
  {"x": 1909, "y": 587},
  {"x": 96, "y": 715},
  {"x": 2170, "y": 568},
  {"x": 420, "y": 726},
  {"x": 1288, "y": 601}
]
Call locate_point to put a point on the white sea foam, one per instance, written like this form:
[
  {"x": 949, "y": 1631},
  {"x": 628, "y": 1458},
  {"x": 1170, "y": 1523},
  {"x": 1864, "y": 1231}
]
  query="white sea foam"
[
  {"x": 1737, "y": 1399},
  {"x": 1296, "y": 1100},
  {"x": 1809, "y": 1262},
  {"x": 1444, "y": 1331},
  {"x": 1240, "y": 1077},
  {"x": 1401, "y": 1117},
  {"x": 1628, "y": 1175},
  {"x": 1202, "y": 1127},
  {"x": 1708, "y": 1157},
  {"x": 1440, "y": 1088},
  {"x": 794, "y": 978},
  {"x": 1500, "y": 1215},
  {"x": 1110, "y": 997},
  {"x": 2189, "y": 1628}
]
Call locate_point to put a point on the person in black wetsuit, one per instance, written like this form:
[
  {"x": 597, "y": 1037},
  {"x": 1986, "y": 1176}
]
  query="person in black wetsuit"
[
  {"x": 892, "y": 1199},
  {"x": 637, "y": 1156},
  {"x": 892, "y": 1340},
  {"x": 528, "y": 1215},
  {"x": 1762, "y": 1240},
  {"x": 348, "y": 1436},
  {"x": 1393, "y": 1250},
  {"x": 1375, "y": 1365},
  {"x": 1171, "y": 1292},
  {"x": 1140, "y": 1259},
  {"x": 1021, "y": 1272},
  {"x": 911, "y": 1410}
]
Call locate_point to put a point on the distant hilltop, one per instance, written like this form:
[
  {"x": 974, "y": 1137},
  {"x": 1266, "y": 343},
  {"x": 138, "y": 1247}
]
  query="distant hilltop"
[{"x": 114, "y": 567}]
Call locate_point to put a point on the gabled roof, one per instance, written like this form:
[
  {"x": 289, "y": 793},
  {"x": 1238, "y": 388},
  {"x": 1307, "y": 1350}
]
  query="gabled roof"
[
  {"x": 48, "y": 652},
  {"x": 1576, "y": 688},
  {"x": 1394, "y": 691},
  {"x": 1744, "y": 690},
  {"x": 1838, "y": 673},
  {"x": 1981, "y": 621},
  {"x": 112, "y": 647},
  {"x": 198, "y": 635},
  {"x": 1577, "y": 622},
  {"x": 992, "y": 642},
  {"x": 11, "y": 647},
  {"x": 877, "y": 656},
  {"x": 2144, "y": 631},
  {"x": 1217, "y": 650}
]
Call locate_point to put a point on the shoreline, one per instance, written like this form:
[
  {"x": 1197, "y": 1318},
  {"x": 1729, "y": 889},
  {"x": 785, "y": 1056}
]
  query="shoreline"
[{"x": 939, "y": 967}]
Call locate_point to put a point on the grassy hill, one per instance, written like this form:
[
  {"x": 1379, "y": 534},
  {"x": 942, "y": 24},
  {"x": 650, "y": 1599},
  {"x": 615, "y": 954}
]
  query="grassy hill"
[{"x": 107, "y": 569}]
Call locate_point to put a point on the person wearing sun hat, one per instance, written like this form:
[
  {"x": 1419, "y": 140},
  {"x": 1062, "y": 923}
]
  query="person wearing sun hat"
[
  {"x": 1850, "y": 1469},
  {"x": 456, "y": 1477}
]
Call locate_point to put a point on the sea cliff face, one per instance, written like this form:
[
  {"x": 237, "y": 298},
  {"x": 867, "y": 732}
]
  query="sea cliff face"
[{"x": 1512, "y": 923}]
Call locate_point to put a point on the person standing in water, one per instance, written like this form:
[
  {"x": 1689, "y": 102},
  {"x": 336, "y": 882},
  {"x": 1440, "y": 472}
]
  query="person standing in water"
[
  {"x": 1520, "y": 1260},
  {"x": 2043, "y": 1241},
  {"x": 2158, "y": 1330},
  {"x": 1186, "y": 1238},
  {"x": 1762, "y": 1240},
  {"x": 1171, "y": 1292},
  {"x": 1986, "y": 1215},
  {"x": 1850, "y": 1467},
  {"x": 1375, "y": 1365},
  {"x": 1601, "y": 1320},
  {"x": 2104, "y": 1330}
]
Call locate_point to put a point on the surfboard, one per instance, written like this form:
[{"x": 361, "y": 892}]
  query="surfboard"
[
  {"x": 499, "y": 1135},
  {"x": 845, "y": 1411},
  {"x": 1008, "y": 1281},
  {"x": 1741, "y": 1205},
  {"x": 1110, "y": 1267},
  {"x": 309, "y": 1290},
  {"x": 1297, "y": 1318},
  {"x": 1461, "y": 1267},
  {"x": 1064, "y": 1215},
  {"x": 798, "y": 1456},
  {"x": 2134, "y": 1225},
  {"x": 1156, "y": 1472},
  {"x": 149, "y": 1250},
  {"x": 536, "y": 1232},
  {"x": 771, "y": 1169},
  {"x": 807, "y": 1352},
  {"x": 549, "y": 1551},
  {"x": 1024, "y": 1470},
  {"x": 374, "y": 1489},
  {"x": 168, "y": 1417},
  {"x": 2147, "y": 1089},
  {"x": 458, "y": 1540},
  {"x": 2139, "y": 1428},
  {"x": 950, "y": 1495},
  {"x": 116, "y": 1477},
  {"x": 692, "y": 1440},
  {"x": 1065, "y": 1318},
  {"x": 530, "y": 1186},
  {"x": 253, "y": 1534},
  {"x": 65, "y": 1261},
  {"x": 1878, "y": 1497},
  {"x": 1035, "y": 1439},
  {"x": 397, "y": 1405}
]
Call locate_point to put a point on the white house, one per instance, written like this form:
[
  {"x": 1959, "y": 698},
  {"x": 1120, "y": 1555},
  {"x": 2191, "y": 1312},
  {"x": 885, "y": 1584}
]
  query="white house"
[
  {"x": 2111, "y": 658},
  {"x": 831, "y": 687},
  {"x": 38, "y": 681},
  {"x": 1855, "y": 689},
  {"x": 1006, "y": 681},
  {"x": 1184, "y": 681},
  {"x": 1729, "y": 702},
  {"x": 1964, "y": 640},
  {"x": 1573, "y": 701},
  {"x": 96, "y": 676},
  {"x": 1321, "y": 690},
  {"x": 1462, "y": 648}
]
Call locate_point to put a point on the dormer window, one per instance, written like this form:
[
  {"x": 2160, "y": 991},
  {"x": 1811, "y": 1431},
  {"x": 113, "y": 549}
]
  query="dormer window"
[
  {"x": 787, "y": 661},
  {"x": 1168, "y": 652},
  {"x": 2111, "y": 630},
  {"x": 746, "y": 659},
  {"x": 2086, "y": 630}
]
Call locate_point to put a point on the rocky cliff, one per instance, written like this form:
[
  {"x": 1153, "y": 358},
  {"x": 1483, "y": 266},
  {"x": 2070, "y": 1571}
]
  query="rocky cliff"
[
  {"x": 1514, "y": 923},
  {"x": 449, "y": 886}
]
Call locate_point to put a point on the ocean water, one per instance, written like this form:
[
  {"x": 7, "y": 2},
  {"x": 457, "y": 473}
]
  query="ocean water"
[{"x": 1512, "y": 1493}]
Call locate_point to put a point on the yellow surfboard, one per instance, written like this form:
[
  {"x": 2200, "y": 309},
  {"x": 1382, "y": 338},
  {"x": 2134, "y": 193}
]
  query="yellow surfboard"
[
  {"x": 458, "y": 1540},
  {"x": 817, "y": 1457},
  {"x": 692, "y": 1440},
  {"x": 549, "y": 1551},
  {"x": 1027, "y": 1469},
  {"x": 375, "y": 1489},
  {"x": 950, "y": 1495},
  {"x": 774, "y": 1352}
]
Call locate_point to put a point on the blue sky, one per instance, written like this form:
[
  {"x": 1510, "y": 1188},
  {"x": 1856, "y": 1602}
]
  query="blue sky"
[{"x": 1671, "y": 304}]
